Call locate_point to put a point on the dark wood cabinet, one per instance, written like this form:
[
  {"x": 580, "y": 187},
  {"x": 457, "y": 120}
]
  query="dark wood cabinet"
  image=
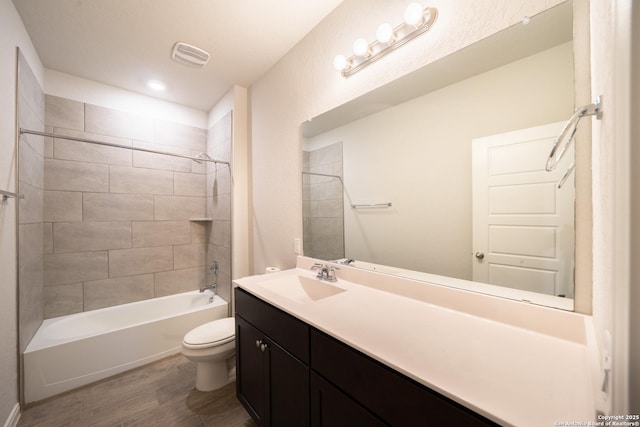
[
  {"x": 290, "y": 374},
  {"x": 272, "y": 384},
  {"x": 330, "y": 407}
]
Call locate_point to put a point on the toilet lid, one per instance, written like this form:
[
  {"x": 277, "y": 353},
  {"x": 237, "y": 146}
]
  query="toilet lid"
[{"x": 216, "y": 332}]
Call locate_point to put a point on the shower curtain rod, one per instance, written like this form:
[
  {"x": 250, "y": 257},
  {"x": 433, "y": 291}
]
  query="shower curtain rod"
[{"x": 202, "y": 157}]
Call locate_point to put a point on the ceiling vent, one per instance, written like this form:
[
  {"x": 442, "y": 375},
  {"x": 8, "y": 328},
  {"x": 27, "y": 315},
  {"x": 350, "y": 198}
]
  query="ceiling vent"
[{"x": 190, "y": 55}]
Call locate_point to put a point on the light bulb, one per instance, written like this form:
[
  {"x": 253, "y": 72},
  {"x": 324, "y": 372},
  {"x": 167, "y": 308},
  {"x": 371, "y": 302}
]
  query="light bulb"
[
  {"x": 413, "y": 14},
  {"x": 361, "y": 47},
  {"x": 384, "y": 34},
  {"x": 340, "y": 62}
]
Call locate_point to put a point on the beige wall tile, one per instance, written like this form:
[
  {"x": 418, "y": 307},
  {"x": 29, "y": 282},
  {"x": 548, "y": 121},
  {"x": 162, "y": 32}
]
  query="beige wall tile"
[
  {"x": 220, "y": 233},
  {"x": 62, "y": 300},
  {"x": 110, "y": 292},
  {"x": 30, "y": 120},
  {"x": 219, "y": 181},
  {"x": 160, "y": 233},
  {"x": 93, "y": 153},
  {"x": 31, "y": 243},
  {"x": 31, "y": 166},
  {"x": 29, "y": 88},
  {"x": 189, "y": 184},
  {"x": 138, "y": 180},
  {"x": 30, "y": 294},
  {"x": 31, "y": 207},
  {"x": 64, "y": 113},
  {"x": 106, "y": 121},
  {"x": 179, "y": 135},
  {"x": 176, "y": 281},
  {"x": 193, "y": 255},
  {"x": 90, "y": 236},
  {"x": 48, "y": 238},
  {"x": 178, "y": 207},
  {"x": 75, "y": 267},
  {"x": 75, "y": 176},
  {"x": 117, "y": 207},
  {"x": 131, "y": 262},
  {"x": 62, "y": 206},
  {"x": 221, "y": 207},
  {"x": 161, "y": 161},
  {"x": 200, "y": 231}
]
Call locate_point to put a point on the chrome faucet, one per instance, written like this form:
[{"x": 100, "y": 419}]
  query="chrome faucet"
[
  {"x": 326, "y": 273},
  {"x": 212, "y": 287}
]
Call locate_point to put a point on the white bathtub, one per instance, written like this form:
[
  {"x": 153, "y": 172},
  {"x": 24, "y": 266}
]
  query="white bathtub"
[{"x": 70, "y": 351}]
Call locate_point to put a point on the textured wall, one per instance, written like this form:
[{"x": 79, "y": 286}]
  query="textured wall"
[{"x": 117, "y": 222}]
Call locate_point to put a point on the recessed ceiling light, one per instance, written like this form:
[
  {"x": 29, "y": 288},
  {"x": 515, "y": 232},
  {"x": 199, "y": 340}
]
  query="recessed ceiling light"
[{"x": 156, "y": 85}]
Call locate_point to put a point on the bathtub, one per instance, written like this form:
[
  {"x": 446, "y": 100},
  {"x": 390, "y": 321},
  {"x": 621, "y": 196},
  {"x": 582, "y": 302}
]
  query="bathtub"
[{"x": 70, "y": 351}]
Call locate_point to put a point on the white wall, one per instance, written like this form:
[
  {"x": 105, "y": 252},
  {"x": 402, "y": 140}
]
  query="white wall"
[
  {"x": 303, "y": 85},
  {"x": 12, "y": 34},
  {"x": 611, "y": 145},
  {"x": 417, "y": 155}
]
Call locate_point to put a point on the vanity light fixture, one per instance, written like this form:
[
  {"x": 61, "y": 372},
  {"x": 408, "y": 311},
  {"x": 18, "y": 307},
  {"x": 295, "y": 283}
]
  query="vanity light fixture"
[{"x": 417, "y": 20}]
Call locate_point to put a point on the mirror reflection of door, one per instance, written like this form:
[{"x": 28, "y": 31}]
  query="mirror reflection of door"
[{"x": 523, "y": 232}]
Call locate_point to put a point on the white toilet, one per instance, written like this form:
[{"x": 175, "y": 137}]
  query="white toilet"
[{"x": 212, "y": 346}]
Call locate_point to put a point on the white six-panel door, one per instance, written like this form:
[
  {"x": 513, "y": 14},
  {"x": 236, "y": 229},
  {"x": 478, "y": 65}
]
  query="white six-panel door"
[{"x": 523, "y": 233}]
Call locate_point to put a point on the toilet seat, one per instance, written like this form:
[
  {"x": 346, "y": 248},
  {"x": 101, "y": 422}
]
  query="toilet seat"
[{"x": 211, "y": 334}]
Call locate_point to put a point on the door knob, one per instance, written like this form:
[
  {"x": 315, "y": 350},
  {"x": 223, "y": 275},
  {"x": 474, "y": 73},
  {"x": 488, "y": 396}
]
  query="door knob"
[{"x": 479, "y": 255}]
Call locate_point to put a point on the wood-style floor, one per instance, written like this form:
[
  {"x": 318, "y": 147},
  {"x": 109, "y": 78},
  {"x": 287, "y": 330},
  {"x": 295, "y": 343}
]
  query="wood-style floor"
[{"x": 160, "y": 394}]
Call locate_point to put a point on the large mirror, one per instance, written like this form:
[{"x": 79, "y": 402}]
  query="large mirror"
[{"x": 440, "y": 176}]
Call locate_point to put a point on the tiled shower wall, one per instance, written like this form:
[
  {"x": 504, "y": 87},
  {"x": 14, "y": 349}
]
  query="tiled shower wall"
[
  {"x": 117, "y": 222},
  {"x": 219, "y": 205},
  {"x": 323, "y": 203},
  {"x": 31, "y": 207}
]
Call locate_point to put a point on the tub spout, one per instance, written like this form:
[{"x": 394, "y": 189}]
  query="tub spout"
[{"x": 211, "y": 287}]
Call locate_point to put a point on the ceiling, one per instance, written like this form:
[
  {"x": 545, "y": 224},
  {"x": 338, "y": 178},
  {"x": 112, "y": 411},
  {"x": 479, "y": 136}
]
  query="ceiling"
[{"x": 125, "y": 43}]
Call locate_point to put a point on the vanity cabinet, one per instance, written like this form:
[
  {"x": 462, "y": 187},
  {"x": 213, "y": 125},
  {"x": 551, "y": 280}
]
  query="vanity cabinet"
[
  {"x": 394, "y": 398},
  {"x": 291, "y": 374},
  {"x": 272, "y": 356}
]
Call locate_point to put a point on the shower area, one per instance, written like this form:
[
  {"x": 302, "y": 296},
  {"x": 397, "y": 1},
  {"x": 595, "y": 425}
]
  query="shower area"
[
  {"x": 323, "y": 202},
  {"x": 99, "y": 225}
]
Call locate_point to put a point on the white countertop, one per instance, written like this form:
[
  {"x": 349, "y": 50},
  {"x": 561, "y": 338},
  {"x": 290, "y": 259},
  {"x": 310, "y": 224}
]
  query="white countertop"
[{"x": 514, "y": 375}]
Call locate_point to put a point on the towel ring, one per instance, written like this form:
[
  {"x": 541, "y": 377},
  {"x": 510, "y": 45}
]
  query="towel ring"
[{"x": 570, "y": 129}]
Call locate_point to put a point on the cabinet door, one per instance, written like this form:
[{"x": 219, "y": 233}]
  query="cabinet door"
[
  {"x": 250, "y": 372},
  {"x": 288, "y": 395},
  {"x": 332, "y": 408}
]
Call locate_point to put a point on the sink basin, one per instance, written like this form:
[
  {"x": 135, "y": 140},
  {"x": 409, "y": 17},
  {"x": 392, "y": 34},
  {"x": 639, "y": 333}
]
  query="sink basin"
[{"x": 301, "y": 289}]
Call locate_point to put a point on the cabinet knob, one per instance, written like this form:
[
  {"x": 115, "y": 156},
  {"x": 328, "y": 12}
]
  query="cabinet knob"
[
  {"x": 258, "y": 343},
  {"x": 263, "y": 347}
]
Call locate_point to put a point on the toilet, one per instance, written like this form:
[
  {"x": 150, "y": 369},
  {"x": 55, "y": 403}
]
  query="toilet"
[{"x": 212, "y": 347}]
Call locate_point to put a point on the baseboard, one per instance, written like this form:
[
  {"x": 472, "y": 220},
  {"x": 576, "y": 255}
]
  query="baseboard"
[{"x": 14, "y": 416}]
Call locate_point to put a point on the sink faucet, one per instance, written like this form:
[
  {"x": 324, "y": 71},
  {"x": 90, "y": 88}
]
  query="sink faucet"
[{"x": 326, "y": 272}]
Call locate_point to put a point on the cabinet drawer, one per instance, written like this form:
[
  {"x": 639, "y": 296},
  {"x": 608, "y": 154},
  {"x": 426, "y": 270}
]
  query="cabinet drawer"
[
  {"x": 396, "y": 399},
  {"x": 289, "y": 332}
]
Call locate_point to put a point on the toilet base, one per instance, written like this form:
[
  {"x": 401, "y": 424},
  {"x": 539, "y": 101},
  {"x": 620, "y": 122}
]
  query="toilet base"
[{"x": 212, "y": 376}]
